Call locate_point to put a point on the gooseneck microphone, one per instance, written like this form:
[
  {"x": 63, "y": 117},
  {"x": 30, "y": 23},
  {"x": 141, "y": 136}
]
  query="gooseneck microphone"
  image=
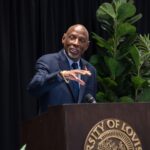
[{"x": 89, "y": 98}]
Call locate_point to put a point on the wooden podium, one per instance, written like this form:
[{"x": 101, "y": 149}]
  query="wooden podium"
[{"x": 66, "y": 127}]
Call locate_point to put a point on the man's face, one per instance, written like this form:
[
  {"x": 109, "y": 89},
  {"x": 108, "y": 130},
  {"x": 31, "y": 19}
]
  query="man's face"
[{"x": 76, "y": 42}]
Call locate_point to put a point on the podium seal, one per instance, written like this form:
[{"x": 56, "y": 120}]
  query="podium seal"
[{"x": 112, "y": 134}]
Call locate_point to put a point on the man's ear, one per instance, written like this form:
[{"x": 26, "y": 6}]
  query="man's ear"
[
  {"x": 87, "y": 46},
  {"x": 63, "y": 38}
]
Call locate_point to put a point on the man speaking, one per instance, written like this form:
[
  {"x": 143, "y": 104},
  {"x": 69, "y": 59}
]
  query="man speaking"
[{"x": 65, "y": 77}]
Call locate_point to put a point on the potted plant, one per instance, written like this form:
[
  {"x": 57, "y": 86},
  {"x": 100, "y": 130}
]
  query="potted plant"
[{"x": 123, "y": 56}]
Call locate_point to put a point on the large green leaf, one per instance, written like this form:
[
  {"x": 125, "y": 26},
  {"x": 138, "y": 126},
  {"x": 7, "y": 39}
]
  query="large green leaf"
[
  {"x": 109, "y": 82},
  {"x": 125, "y": 11},
  {"x": 125, "y": 44},
  {"x": 107, "y": 26},
  {"x": 124, "y": 29},
  {"x": 117, "y": 3},
  {"x": 105, "y": 11},
  {"x": 134, "y": 19},
  {"x": 114, "y": 66},
  {"x": 101, "y": 42},
  {"x": 137, "y": 81},
  {"x": 135, "y": 55}
]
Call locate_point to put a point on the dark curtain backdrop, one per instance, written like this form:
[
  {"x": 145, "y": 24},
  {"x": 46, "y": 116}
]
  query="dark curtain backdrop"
[{"x": 28, "y": 29}]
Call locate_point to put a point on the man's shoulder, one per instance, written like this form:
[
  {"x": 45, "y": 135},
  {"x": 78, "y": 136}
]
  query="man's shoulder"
[
  {"x": 86, "y": 63},
  {"x": 50, "y": 57}
]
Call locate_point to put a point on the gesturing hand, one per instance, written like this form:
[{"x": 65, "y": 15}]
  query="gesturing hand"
[{"x": 73, "y": 75}]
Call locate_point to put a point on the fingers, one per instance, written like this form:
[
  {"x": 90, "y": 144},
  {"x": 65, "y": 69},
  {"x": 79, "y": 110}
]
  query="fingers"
[
  {"x": 81, "y": 82},
  {"x": 85, "y": 68},
  {"x": 75, "y": 78},
  {"x": 73, "y": 75},
  {"x": 81, "y": 72}
]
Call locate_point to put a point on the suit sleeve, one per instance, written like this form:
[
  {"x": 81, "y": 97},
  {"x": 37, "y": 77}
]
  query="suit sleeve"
[
  {"x": 44, "y": 79},
  {"x": 95, "y": 83},
  {"x": 92, "y": 85}
]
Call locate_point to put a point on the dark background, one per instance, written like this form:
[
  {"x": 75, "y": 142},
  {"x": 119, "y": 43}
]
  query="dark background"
[{"x": 29, "y": 29}]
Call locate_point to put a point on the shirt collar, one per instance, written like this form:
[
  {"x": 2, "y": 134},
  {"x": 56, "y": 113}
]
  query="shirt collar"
[{"x": 71, "y": 61}]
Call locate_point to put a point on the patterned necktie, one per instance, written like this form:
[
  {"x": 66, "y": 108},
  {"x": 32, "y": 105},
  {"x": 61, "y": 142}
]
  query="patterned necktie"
[{"x": 75, "y": 84}]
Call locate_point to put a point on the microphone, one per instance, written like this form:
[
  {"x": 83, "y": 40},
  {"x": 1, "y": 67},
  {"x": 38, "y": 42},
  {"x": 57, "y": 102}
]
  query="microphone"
[{"x": 89, "y": 98}]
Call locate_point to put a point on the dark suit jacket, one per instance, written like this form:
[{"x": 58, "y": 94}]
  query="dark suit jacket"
[{"x": 50, "y": 86}]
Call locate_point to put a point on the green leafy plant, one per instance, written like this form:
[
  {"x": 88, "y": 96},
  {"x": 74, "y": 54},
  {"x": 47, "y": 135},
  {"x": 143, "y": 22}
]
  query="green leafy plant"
[{"x": 123, "y": 58}]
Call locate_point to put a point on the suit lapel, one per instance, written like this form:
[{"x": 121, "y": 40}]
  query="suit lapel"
[
  {"x": 63, "y": 62},
  {"x": 84, "y": 78},
  {"x": 64, "y": 65}
]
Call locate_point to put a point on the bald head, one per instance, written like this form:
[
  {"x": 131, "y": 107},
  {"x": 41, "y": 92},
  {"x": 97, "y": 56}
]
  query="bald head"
[
  {"x": 75, "y": 41},
  {"x": 79, "y": 27}
]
